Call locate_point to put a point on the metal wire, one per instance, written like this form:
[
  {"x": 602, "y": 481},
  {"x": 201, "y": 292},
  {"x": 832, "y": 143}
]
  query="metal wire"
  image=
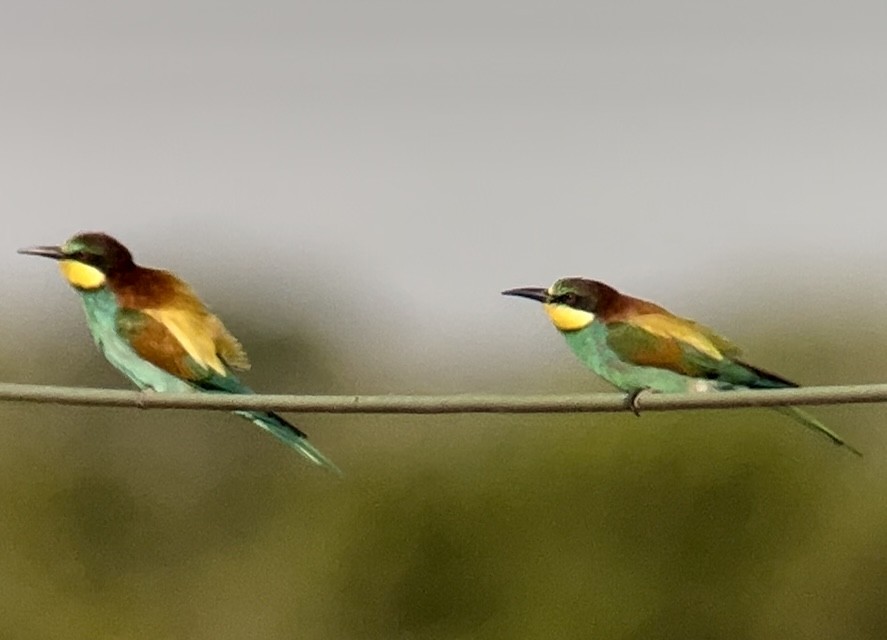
[{"x": 444, "y": 404}]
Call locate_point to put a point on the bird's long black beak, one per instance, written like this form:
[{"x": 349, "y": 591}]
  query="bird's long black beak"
[
  {"x": 533, "y": 293},
  {"x": 55, "y": 253}
]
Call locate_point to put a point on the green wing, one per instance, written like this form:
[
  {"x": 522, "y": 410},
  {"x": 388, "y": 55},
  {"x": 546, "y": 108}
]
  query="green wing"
[
  {"x": 639, "y": 346},
  {"x": 688, "y": 348}
]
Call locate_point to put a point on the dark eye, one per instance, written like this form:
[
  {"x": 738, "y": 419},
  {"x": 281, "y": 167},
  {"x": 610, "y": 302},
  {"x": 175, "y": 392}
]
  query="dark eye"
[
  {"x": 83, "y": 256},
  {"x": 568, "y": 299}
]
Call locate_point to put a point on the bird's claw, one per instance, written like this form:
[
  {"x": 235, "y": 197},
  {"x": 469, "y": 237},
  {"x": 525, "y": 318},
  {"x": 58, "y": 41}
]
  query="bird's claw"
[
  {"x": 632, "y": 401},
  {"x": 143, "y": 395}
]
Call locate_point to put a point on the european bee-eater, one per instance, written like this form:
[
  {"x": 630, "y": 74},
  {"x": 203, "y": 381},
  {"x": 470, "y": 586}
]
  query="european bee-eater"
[
  {"x": 637, "y": 345},
  {"x": 151, "y": 326}
]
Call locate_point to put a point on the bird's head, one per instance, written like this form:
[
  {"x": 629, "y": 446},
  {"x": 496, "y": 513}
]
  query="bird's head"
[
  {"x": 87, "y": 259},
  {"x": 571, "y": 303}
]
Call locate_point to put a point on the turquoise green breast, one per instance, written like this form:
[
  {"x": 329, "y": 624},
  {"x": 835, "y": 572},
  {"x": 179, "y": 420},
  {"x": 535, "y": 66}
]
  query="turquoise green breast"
[
  {"x": 590, "y": 346},
  {"x": 100, "y": 306}
]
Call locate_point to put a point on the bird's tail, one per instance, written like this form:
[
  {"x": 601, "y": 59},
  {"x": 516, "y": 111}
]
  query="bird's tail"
[
  {"x": 290, "y": 435},
  {"x": 811, "y": 422}
]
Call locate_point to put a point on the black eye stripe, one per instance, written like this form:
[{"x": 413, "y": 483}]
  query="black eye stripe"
[{"x": 83, "y": 256}]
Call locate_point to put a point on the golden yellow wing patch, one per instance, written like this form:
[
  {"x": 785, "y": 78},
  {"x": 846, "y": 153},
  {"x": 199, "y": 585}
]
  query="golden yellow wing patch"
[
  {"x": 696, "y": 335},
  {"x": 203, "y": 337}
]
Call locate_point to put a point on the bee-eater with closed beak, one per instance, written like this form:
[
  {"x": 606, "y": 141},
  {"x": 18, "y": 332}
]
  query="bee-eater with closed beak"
[
  {"x": 151, "y": 326},
  {"x": 637, "y": 345}
]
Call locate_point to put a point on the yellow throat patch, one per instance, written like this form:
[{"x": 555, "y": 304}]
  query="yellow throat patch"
[
  {"x": 80, "y": 275},
  {"x": 566, "y": 318}
]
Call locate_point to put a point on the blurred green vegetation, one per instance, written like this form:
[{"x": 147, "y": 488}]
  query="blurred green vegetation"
[{"x": 728, "y": 524}]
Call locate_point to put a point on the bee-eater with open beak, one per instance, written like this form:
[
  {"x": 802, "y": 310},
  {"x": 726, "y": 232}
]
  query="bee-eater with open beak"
[
  {"x": 151, "y": 326},
  {"x": 637, "y": 345}
]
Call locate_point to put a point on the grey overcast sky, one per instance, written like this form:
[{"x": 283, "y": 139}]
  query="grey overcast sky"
[{"x": 433, "y": 154}]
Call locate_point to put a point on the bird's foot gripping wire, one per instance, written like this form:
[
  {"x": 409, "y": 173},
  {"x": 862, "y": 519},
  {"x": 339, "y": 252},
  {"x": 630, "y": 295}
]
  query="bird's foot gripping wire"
[
  {"x": 631, "y": 400},
  {"x": 143, "y": 395}
]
